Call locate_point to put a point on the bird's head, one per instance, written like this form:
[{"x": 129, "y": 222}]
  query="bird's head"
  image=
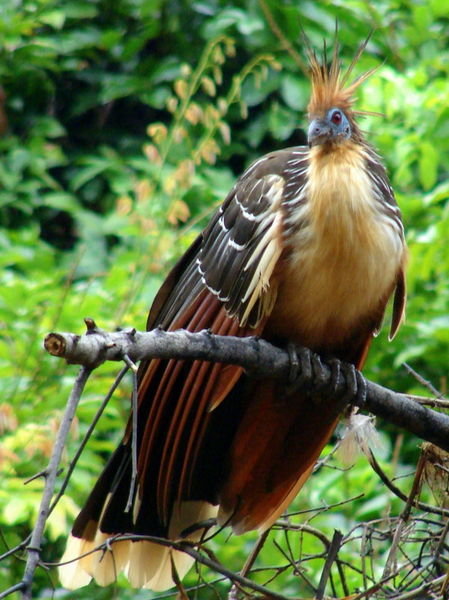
[
  {"x": 330, "y": 110},
  {"x": 333, "y": 128}
]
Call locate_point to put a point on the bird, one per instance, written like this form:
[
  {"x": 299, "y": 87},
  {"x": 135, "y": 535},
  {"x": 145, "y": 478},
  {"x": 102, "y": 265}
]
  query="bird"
[{"x": 307, "y": 249}]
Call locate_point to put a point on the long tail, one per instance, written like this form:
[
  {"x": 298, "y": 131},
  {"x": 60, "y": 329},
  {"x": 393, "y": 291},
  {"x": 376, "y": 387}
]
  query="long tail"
[{"x": 273, "y": 454}]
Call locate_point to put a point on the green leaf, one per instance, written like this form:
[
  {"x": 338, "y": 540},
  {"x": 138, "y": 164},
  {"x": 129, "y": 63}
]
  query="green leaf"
[
  {"x": 54, "y": 18},
  {"x": 48, "y": 127},
  {"x": 428, "y": 165},
  {"x": 294, "y": 91},
  {"x": 282, "y": 122},
  {"x": 61, "y": 201},
  {"x": 16, "y": 510}
]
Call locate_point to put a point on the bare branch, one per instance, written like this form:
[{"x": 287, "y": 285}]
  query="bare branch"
[
  {"x": 233, "y": 594},
  {"x": 390, "y": 564},
  {"x": 255, "y": 355},
  {"x": 331, "y": 555},
  {"x": 86, "y": 438},
  {"x": 397, "y": 492},
  {"x": 34, "y": 547}
]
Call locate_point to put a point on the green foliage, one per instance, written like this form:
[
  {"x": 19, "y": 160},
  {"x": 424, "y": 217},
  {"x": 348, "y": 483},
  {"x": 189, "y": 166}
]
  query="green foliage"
[{"x": 128, "y": 123}]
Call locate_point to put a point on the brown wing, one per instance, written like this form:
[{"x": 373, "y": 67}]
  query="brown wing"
[
  {"x": 224, "y": 283},
  {"x": 226, "y": 287},
  {"x": 392, "y": 215}
]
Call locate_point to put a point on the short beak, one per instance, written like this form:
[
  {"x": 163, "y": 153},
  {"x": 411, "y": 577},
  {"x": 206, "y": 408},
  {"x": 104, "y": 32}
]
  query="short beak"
[{"x": 319, "y": 131}]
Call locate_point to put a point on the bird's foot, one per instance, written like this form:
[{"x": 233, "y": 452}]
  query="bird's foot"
[
  {"x": 310, "y": 373},
  {"x": 301, "y": 370},
  {"x": 354, "y": 391},
  {"x": 307, "y": 372},
  {"x": 347, "y": 384}
]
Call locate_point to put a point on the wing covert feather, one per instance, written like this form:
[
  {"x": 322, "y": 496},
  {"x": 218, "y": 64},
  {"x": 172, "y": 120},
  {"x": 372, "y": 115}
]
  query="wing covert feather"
[{"x": 246, "y": 238}]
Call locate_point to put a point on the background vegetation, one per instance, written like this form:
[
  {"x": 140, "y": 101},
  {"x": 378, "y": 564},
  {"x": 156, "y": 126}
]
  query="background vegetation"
[{"x": 123, "y": 124}]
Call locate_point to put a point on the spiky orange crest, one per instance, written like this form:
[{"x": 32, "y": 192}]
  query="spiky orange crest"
[{"x": 329, "y": 83}]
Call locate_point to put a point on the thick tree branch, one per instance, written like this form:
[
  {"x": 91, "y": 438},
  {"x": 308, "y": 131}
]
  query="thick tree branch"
[{"x": 254, "y": 355}]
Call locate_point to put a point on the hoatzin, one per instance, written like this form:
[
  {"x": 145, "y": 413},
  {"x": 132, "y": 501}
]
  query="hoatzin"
[{"x": 307, "y": 248}]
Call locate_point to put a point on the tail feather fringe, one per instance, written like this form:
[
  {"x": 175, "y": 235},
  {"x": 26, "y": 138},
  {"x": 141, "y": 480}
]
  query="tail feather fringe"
[{"x": 146, "y": 564}]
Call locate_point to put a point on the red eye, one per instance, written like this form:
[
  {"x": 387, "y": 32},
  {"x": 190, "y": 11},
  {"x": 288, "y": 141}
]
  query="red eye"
[{"x": 336, "y": 117}]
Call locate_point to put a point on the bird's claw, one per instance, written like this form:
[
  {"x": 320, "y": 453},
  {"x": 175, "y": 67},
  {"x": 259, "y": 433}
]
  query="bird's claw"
[
  {"x": 301, "y": 368},
  {"x": 354, "y": 391},
  {"x": 307, "y": 372}
]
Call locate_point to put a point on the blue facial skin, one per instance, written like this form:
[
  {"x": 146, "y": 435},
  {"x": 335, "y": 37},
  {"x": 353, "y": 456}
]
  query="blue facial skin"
[{"x": 334, "y": 128}]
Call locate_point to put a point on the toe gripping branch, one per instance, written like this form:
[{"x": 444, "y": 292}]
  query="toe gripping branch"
[{"x": 325, "y": 379}]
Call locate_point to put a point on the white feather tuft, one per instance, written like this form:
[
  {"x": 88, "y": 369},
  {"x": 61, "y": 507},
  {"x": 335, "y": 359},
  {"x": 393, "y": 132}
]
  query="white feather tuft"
[{"x": 359, "y": 437}]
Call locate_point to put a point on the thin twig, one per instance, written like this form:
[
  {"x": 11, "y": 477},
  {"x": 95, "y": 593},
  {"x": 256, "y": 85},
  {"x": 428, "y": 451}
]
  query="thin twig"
[
  {"x": 34, "y": 547},
  {"x": 285, "y": 43},
  {"x": 132, "y": 485},
  {"x": 284, "y": 524},
  {"x": 400, "y": 494},
  {"x": 42, "y": 473},
  {"x": 18, "y": 587},
  {"x": 404, "y": 517},
  {"x": 424, "y": 382},
  {"x": 17, "y": 548},
  {"x": 432, "y": 402},
  {"x": 294, "y": 565},
  {"x": 233, "y": 594},
  {"x": 441, "y": 541},
  {"x": 330, "y": 558},
  {"x": 87, "y": 436},
  {"x": 419, "y": 591}
]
